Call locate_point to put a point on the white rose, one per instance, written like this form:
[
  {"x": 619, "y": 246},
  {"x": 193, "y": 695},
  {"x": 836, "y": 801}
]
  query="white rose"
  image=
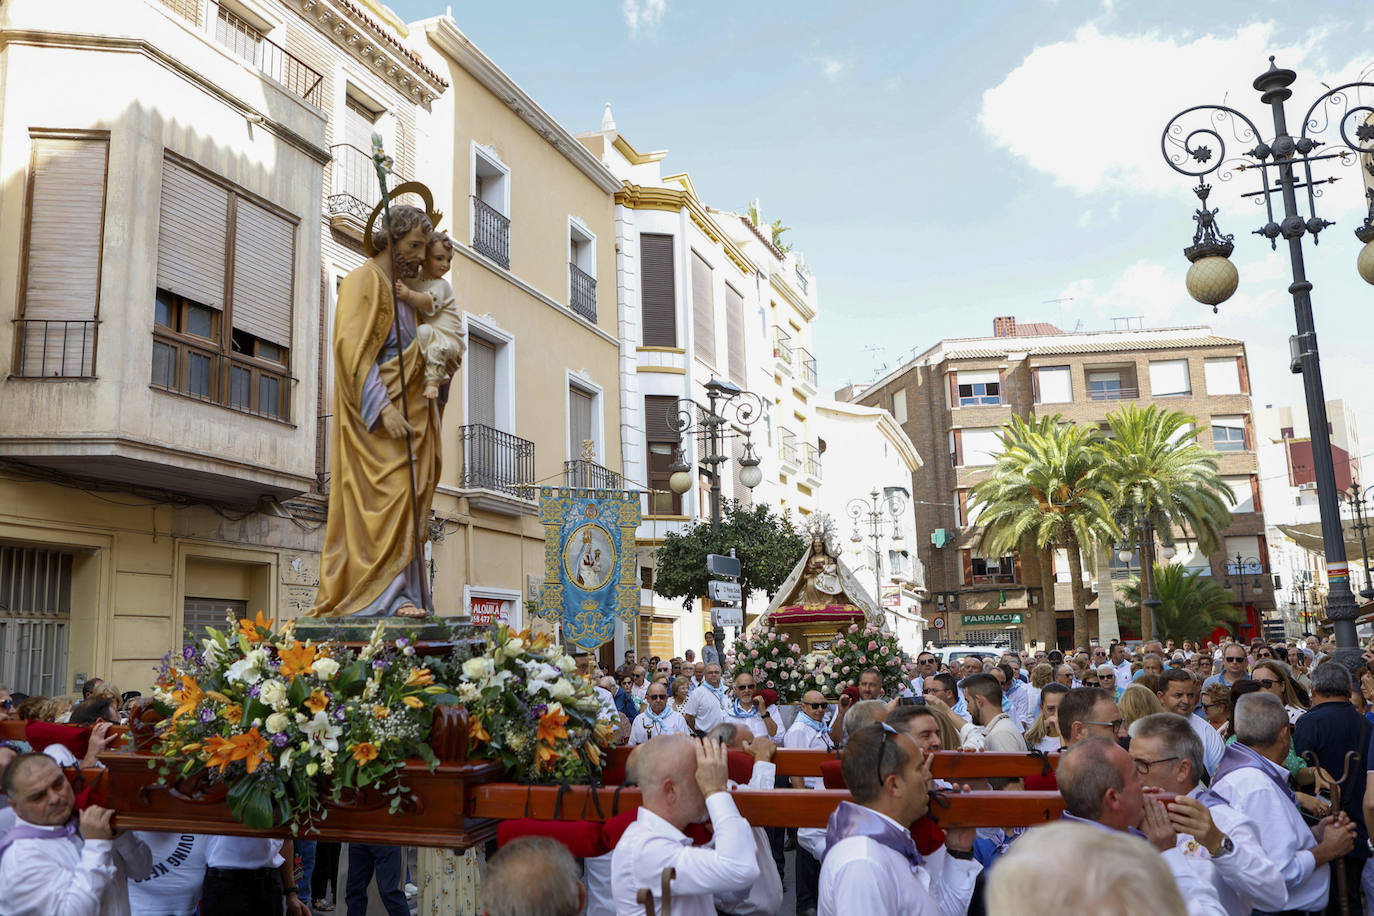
[
  {"x": 278, "y": 722},
  {"x": 326, "y": 668},
  {"x": 515, "y": 644},
  {"x": 566, "y": 664},
  {"x": 560, "y": 689},
  {"x": 475, "y": 669},
  {"x": 272, "y": 693}
]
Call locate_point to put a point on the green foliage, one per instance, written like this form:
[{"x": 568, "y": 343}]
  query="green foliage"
[
  {"x": 767, "y": 544},
  {"x": 1193, "y": 604}
]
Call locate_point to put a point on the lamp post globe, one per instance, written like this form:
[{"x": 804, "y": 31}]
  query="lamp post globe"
[
  {"x": 680, "y": 482},
  {"x": 1365, "y": 262},
  {"x": 1212, "y": 280}
]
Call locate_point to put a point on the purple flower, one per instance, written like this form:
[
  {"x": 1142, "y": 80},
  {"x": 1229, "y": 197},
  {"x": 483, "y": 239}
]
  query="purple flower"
[
  {"x": 339, "y": 714},
  {"x": 188, "y": 652},
  {"x": 279, "y": 740},
  {"x": 253, "y": 691},
  {"x": 207, "y": 716},
  {"x": 402, "y": 642},
  {"x": 381, "y": 664}
]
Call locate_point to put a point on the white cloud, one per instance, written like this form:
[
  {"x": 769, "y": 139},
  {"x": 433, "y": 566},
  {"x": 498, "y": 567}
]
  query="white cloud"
[
  {"x": 1085, "y": 219},
  {"x": 643, "y": 14},
  {"x": 832, "y": 68},
  {"x": 1089, "y": 111}
]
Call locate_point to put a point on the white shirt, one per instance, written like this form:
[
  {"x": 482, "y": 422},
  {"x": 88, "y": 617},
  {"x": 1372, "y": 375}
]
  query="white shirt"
[
  {"x": 1245, "y": 879},
  {"x": 645, "y": 728},
  {"x": 706, "y": 708},
  {"x": 752, "y": 724},
  {"x": 173, "y": 886},
  {"x": 1020, "y": 706},
  {"x": 803, "y": 737},
  {"x": 70, "y": 876},
  {"x": 1123, "y": 673},
  {"x": 242, "y": 852},
  {"x": 638, "y": 690},
  {"x": 1286, "y": 838},
  {"x": 1213, "y": 747},
  {"x": 607, "y": 712},
  {"x": 651, "y": 844},
  {"x": 1001, "y": 734},
  {"x": 862, "y": 876}
]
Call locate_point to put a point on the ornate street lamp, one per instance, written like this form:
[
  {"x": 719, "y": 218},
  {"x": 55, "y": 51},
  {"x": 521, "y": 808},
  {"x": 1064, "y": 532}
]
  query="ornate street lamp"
[
  {"x": 728, "y": 413},
  {"x": 1356, "y": 498},
  {"x": 879, "y": 511},
  {"x": 1239, "y": 567},
  {"x": 1193, "y": 145}
]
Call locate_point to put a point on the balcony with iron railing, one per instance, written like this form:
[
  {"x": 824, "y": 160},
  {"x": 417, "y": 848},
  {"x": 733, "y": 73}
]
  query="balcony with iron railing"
[
  {"x": 582, "y": 292},
  {"x": 811, "y": 457},
  {"x": 782, "y": 350},
  {"x": 247, "y": 43},
  {"x": 1113, "y": 393},
  {"x": 807, "y": 366},
  {"x": 589, "y": 475},
  {"x": 497, "y": 461},
  {"x": 788, "y": 449},
  {"x": 490, "y": 232},
  {"x": 803, "y": 280},
  {"x": 54, "y": 348},
  {"x": 353, "y": 188}
]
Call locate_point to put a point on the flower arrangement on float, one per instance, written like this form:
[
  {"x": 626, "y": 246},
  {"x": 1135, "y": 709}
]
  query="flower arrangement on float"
[
  {"x": 869, "y": 646},
  {"x": 287, "y": 725},
  {"x": 532, "y": 711},
  {"x": 767, "y": 654}
]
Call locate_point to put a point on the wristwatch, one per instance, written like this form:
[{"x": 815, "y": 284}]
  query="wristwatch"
[{"x": 1227, "y": 847}]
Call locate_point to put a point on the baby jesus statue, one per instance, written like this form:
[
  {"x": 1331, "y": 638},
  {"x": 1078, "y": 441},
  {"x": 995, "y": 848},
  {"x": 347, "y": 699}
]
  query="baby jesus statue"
[{"x": 439, "y": 329}]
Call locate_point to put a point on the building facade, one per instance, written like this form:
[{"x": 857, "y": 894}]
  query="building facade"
[{"x": 953, "y": 398}]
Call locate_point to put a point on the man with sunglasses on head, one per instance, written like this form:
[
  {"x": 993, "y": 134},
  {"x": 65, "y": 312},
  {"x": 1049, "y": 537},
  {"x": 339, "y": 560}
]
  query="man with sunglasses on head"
[
  {"x": 871, "y": 863},
  {"x": 746, "y": 709},
  {"x": 658, "y": 718},
  {"x": 1235, "y": 666}
]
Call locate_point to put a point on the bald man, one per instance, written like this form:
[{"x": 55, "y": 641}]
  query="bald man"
[{"x": 682, "y": 781}]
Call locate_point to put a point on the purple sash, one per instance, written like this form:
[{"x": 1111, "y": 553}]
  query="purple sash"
[
  {"x": 1208, "y": 797},
  {"x": 1240, "y": 757},
  {"x": 30, "y": 832},
  {"x": 850, "y": 819}
]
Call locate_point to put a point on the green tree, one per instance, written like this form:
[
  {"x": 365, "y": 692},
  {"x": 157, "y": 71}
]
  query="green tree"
[
  {"x": 1048, "y": 488},
  {"x": 1193, "y": 605},
  {"x": 1159, "y": 472},
  {"x": 767, "y": 544}
]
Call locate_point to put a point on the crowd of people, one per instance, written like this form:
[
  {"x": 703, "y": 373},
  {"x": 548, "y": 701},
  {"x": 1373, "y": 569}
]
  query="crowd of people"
[{"x": 1200, "y": 779}]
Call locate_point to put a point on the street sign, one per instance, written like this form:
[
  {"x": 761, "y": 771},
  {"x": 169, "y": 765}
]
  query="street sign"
[
  {"x": 991, "y": 619},
  {"x": 939, "y": 623},
  {"x": 722, "y": 592},
  {"x": 720, "y": 565},
  {"x": 727, "y": 617}
]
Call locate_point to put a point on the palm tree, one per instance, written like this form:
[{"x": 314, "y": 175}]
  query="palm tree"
[
  {"x": 1192, "y": 605},
  {"x": 1049, "y": 488},
  {"x": 1161, "y": 474}
]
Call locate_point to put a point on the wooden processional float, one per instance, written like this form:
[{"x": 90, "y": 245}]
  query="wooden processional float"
[{"x": 459, "y": 803}]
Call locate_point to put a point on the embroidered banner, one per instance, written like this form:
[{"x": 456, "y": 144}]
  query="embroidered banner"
[{"x": 589, "y": 561}]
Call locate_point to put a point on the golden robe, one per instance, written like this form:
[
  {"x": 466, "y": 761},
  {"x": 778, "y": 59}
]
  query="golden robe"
[{"x": 369, "y": 538}]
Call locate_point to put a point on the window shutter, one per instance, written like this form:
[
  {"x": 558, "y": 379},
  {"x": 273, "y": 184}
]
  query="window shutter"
[
  {"x": 1255, "y": 492},
  {"x": 658, "y": 305},
  {"x": 264, "y": 258},
  {"x": 1262, "y": 547},
  {"x": 191, "y": 237},
  {"x": 66, "y": 221},
  {"x": 579, "y": 423},
  {"x": 967, "y": 556},
  {"x": 657, "y": 428},
  {"x": 1244, "y": 375},
  {"x": 481, "y": 363},
  {"x": 703, "y": 311},
  {"x": 958, "y": 447},
  {"x": 1016, "y": 567},
  {"x": 734, "y": 334},
  {"x": 1249, "y": 434},
  {"x": 358, "y": 125},
  {"x": 953, "y": 389}
]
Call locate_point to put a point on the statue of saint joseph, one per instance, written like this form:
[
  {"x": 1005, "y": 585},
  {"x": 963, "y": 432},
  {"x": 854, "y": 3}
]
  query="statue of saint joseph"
[{"x": 367, "y": 567}]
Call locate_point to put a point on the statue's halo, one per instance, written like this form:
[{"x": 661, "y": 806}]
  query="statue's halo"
[{"x": 406, "y": 187}]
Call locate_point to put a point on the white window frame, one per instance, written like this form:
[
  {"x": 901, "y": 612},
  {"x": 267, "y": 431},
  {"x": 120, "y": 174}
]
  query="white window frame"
[
  {"x": 513, "y": 595},
  {"x": 578, "y": 227},
  {"x": 899, "y": 397},
  {"x": 583, "y": 383},
  {"x": 486, "y": 328},
  {"x": 1213, "y": 423},
  {"x": 1040, "y": 386},
  {"x": 491, "y": 159},
  {"x": 1219, "y": 362},
  {"x": 1187, "y": 378}
]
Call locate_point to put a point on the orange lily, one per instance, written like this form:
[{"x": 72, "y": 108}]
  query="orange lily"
[
  {"x": 551, "y": 724},
  {"x": 478, "y": 733},
  {"x": 546, "y": 755},
  {"x": 419, "y": 677},
  {"x": 188, "y": 697},
  {"x": 365, "y": 752},
  {"x": 317, "y": 701},
  {"x": 233, "y": 714},
  {"x": 413, "y": 702},
  {"x": 250, "y": 748},
  {"x": 297, "y": 659},
  {"x": 255, "y": 630},
  {"x": 380, "y": 712}
]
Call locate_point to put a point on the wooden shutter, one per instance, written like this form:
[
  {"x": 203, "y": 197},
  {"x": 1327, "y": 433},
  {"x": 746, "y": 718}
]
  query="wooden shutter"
[
  {"x": 963, "y": 507},
  {"x": 657, "y": 428},
  {"x": 264, "y": 258},
  {"x": 579, "y": 423},
  {"x": 1262, "y": 554},
  {"x": 358, "y": 125},
  {"x": 1016, "y": 567},
  {"x": 64, "y": 234},
  {"x": 966, "y": 555},
  {"x": 1002, "y": 386},
  {"x": 734, "y": 335},
  {"x": 953, "y": 389},
  {"x": 1035, "y": 385},
  {"x": 1243, "y": 374},
  {"x": 658, "y": 297},
  {"x": 1249, "y": 434},
  {"x": 191, "y": 236},
  {"x": 1255, "y": 493},
  {"x": 958, "y": 447},
  {"x": 481, "y": 362},
  {"x": 703, "y": 311}
]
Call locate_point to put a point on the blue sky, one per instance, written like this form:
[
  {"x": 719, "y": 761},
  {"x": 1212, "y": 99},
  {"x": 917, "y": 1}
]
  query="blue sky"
[{"x": 942, "y": 164}]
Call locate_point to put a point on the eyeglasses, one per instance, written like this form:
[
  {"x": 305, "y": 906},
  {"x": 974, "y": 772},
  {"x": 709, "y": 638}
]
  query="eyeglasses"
[
  {"x": 1265, "y": 655},
  {"x": 925, "y": 661},
  {"x": 820, "y": 705},
  {"x": 1107, "y": 677},
  {"x": 1090, "y": 682},
  {"x": 658, "y": 696},
  {"x": 1206, "y": 706},
  {"x": 882, "y": 748},
  {"x": 744, "y": 686},
  {"x": 1143, "y": 766},
  {"x": 1266, "y": 683},
  {"x": 1114, "y": 725},
  {"x": 1234, "y": 658}
]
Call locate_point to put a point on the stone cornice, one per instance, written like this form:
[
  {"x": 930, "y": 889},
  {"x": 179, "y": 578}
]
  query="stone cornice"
[
  {"x": 372, "y": 44},
  {"x": 639, "y": 197},
  {"x": 444, "y": 34}
]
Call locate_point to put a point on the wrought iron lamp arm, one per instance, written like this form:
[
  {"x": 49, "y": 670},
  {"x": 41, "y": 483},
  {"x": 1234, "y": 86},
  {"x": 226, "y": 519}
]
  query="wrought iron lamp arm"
[{"x": 1174, "y": 133}]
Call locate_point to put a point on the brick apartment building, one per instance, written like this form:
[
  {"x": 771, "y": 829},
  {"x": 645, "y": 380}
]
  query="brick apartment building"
[{"x": 953, "y": 398}]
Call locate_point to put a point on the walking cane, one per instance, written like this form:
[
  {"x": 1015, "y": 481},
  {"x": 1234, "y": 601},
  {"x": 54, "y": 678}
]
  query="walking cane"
[
  {"x": 645, "y": 897},
  {"x": 1341, "y": 878},
  {"x": 382, "y": 163}
]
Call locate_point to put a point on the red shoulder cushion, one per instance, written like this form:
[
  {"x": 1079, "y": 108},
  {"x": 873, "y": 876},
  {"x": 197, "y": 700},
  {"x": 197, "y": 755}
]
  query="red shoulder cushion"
[
  {"x": 928, "y": 835},
  {"x": 741, "y": 766},
  {"x": 583, "y": 838},
  {"x": 75, "y": 738},
  {"x": 1042, "y": 783},
  {"x": 613, "y": 829},
  {"x": 613, "y": 776},
  {"x": 700, "y": 833},
  {"x": 832, "y": 775}
]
